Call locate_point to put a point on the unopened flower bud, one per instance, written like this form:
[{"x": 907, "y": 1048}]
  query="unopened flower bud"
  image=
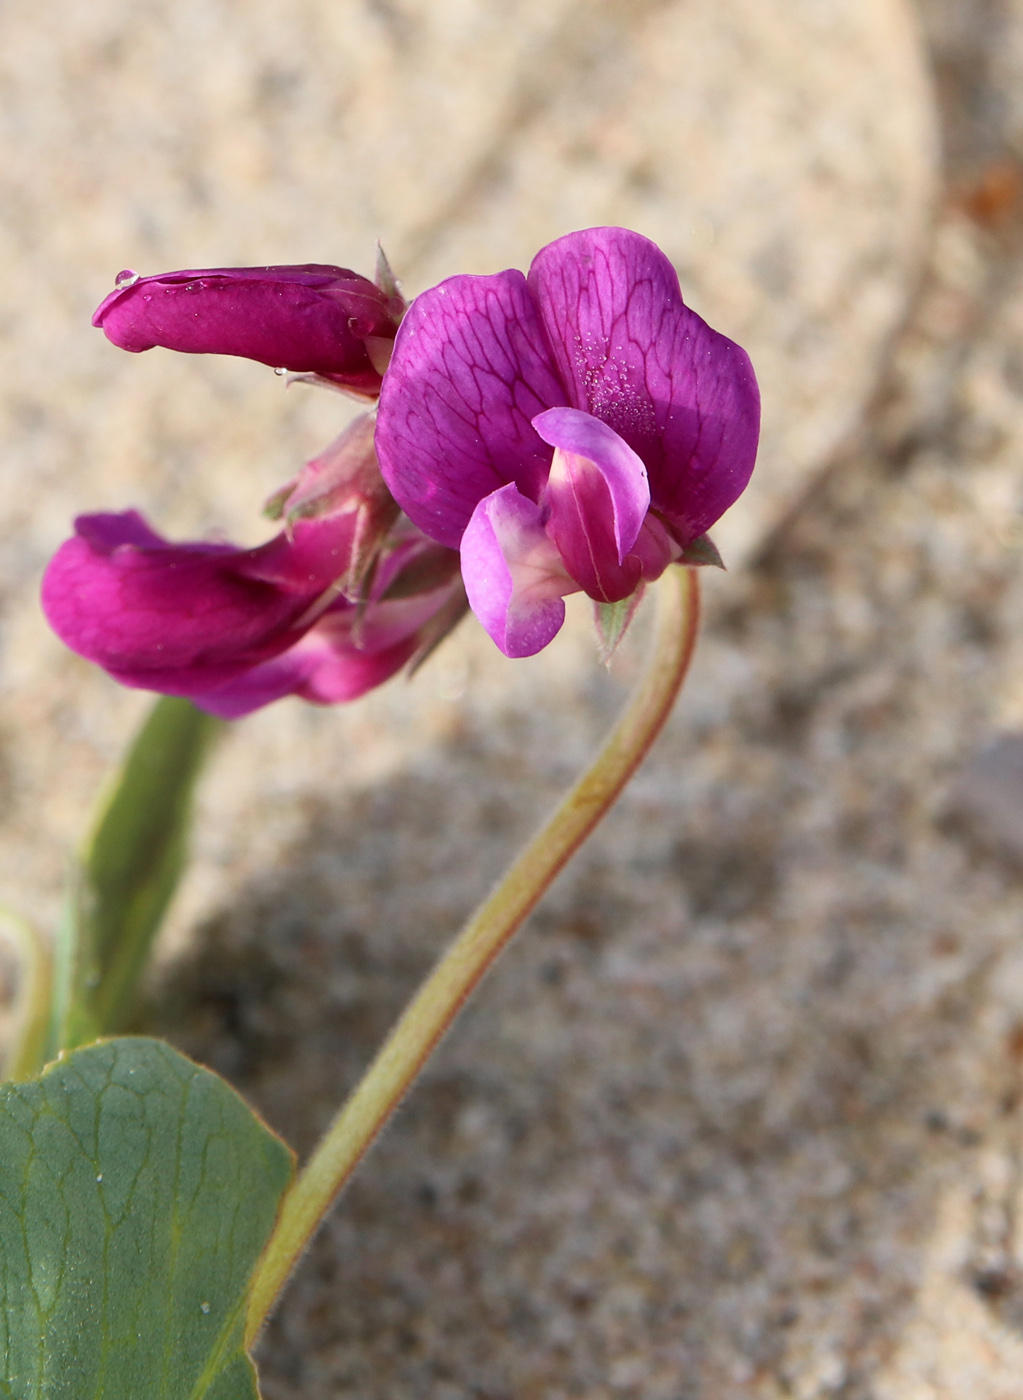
[{"x": 308, "y": 319}]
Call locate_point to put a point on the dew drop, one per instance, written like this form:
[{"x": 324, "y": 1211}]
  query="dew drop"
[
  {"x": 126, "y": 278},
  {"x": 280, "y": 371},
  {"x": 204, "y": 1307},
  {"x": 100, "y": 1177}
]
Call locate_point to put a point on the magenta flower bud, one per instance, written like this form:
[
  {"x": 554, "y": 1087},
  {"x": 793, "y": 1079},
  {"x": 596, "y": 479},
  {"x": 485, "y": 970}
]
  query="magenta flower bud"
[
  {"x": 574, "y": 430},
  {"x": 310, "y": 319}
]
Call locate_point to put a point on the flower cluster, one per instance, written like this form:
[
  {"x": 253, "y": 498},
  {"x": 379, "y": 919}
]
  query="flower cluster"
[{"x": 574, "y": 429}]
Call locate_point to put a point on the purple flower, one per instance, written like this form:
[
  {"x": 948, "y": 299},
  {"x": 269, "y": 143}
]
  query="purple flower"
[
  {"x": 312, "y": 319},
  {"x": 234, "y": 629},
  {"x": 578, "y": 428}
]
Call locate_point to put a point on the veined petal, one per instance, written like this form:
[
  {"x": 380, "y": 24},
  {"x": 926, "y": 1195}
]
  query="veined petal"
[
  {"x": 587, "y": 447},
  {"x": 631, "y": 352},
  {"x": 471, "y": 369},
  {"x": 514, "y": 576}
]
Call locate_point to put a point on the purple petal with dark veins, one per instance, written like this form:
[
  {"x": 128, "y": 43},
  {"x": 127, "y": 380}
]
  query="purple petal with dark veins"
[
  {"x": 513, "y": 574},
  {"x": 471, "y": 369},
  {"x": 630, "y": 352}
]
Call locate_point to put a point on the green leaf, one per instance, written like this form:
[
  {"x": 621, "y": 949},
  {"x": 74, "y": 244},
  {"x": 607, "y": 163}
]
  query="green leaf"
[
  {"x": 138, "y": 850},
  {"x": 128, "y": 873},
  {"x": 137, "y": 1191}
]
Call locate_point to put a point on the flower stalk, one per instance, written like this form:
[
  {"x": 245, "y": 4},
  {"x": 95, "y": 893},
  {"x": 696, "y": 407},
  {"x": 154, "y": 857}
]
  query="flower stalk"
[{"x": 462, "y": 967}]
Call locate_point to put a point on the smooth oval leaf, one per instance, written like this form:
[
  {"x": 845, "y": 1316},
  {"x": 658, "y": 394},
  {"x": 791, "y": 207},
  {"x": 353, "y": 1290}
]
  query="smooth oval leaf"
[{"x": 137, "y": 1191}]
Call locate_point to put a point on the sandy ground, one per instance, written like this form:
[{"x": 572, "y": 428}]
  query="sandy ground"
[{"x": 739, "y": 1114}]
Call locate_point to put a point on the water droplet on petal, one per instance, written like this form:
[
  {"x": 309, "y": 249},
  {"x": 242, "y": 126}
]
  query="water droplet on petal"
[
  {"x": 126, "y": 278},
  {"x": 280, "y": 371}
]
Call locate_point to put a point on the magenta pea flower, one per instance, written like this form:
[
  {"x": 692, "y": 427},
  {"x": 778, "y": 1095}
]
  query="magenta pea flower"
[
  {"x": 334, "y": 604},
  {"x": 234, "y": 629},
  {"x": 574, "y": 429},
  {"x": 311, "y": 319}
]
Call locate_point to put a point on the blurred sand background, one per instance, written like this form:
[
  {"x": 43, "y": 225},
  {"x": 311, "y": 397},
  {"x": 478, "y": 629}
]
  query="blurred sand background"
[{"x": 740, "y": 1113}]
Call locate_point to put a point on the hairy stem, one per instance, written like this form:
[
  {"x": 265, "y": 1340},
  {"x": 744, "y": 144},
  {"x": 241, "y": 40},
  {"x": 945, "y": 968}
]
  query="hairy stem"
[{"x": 459, "y": 971}]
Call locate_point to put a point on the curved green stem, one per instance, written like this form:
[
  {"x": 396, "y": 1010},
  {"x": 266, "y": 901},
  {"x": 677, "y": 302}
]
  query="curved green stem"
[
  {"x": 27, "y": 1052},
  {"x": 445, "y": 991}
]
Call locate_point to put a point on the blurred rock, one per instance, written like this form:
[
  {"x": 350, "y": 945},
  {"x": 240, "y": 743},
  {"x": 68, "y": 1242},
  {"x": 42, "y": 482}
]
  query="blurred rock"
[{"x": 987, "y": 798}]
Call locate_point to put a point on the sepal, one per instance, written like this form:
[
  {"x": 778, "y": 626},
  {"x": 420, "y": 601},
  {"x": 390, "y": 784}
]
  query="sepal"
[
  {"x": 702, "y": 553},
  {"x": 343, "y": 480},
  {"x": 389, "y": 285},
  {"x": 613, "y": 621}
]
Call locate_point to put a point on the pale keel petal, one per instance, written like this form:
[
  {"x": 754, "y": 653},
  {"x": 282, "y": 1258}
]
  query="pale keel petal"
[{"x": 587, "y": 446}]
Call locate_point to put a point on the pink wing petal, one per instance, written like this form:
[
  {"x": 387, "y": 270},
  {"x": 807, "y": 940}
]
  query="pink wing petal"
[
  {"x": 632, "y": 353},
  {"x": 471, "y": 369},
  {"x": 513, "y": 574}
]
